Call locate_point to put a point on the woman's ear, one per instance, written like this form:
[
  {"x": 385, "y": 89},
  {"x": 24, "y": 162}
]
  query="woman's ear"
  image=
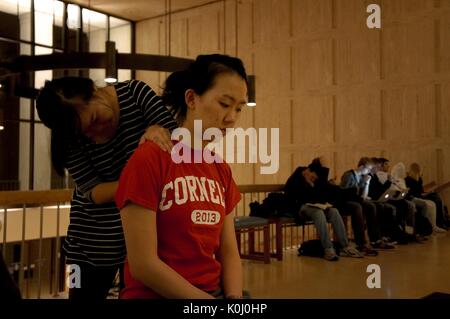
[{"x": 189, "y": 98}]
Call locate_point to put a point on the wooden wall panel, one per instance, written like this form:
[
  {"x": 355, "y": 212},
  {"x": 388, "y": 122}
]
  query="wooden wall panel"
[
  {"x": 179, "y": 38},
  {"x": 245, "y": 23},
  {"x": 312, "y": 64},
  {"x": 409, "y": 116},
  {"x": 399, "y": 10},
  {"x": 312, "y": 120},
  {"x": 346, "y": 17},
  {"x": 408, "y": 48},
  {"x": 147, "y": 37},
  {"x": 357, "y": 58},
  {"x": 211, "y": 37},
  {"x": 358, "y": 117},
  {"x": 310, "y": 16},
  {"x": 444, "y": 116},
  {"x": 444, "y": 42},
  {"x": 273, "y": 78},
  {"x": 279, "y": 111},
  {"x": 335, "y": 88},
  {"x": 195, "y": 31},
  {"x": 271, "y": 21}
]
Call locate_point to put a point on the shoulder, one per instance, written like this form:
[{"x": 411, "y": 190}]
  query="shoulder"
[
  {"x": 132, "y": 86},
  {"x": 348, "y": 173},
  {"x": 224, "y": 169},
  {"x": 149, "y": 153},
  {"x": 136, "y": 86}
]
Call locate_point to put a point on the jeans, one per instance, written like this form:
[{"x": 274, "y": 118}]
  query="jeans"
[
  {"x": 320, "y": 218},
  {"x": 428, "y": 209}
]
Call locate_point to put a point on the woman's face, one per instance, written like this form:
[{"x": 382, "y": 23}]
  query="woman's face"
[
  {"x": 97, "y": 117},
  {"x": 221, "y": 105}
]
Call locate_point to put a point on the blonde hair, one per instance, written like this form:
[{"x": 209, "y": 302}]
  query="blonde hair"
[{"x": 414, "y": 171}]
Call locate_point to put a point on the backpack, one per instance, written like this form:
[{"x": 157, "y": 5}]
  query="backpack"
[
  {"x": 313, "y": 248},
  {"x": 423, "y": 225},
  {"x": 274, "y": 205}
]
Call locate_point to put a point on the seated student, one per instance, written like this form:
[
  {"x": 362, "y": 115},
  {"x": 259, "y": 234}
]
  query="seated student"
[
  {"x": 398, "y": 174},
  {"x": 346, "y": 204},
  {"x": 431, "y": 203},
  {"x": 177, "y": 214},
  {"x": 359, "y": 179},
  {"x": 380, "y": 182},
  {"x": 311, "y": 202}
]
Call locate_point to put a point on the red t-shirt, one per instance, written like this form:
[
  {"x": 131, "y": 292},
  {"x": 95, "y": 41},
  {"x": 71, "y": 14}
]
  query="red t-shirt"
[{"x": 191, "y": 201}]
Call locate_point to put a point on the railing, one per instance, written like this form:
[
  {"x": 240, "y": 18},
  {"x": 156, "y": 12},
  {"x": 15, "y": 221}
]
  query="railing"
[
  {"x": 35, "y": 222},
  {"x": 30, "y": 219},
  {"x": 291, "y": 236}
]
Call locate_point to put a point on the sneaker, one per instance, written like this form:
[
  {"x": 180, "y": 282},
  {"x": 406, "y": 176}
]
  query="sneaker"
[
  {"x": 389, "y": 240},
  {"x": 381, "y": 244},
  {"x": 330, "y": 254},
  {"x": 439, "y": 230},
  {"x": 420, "y": 239},
  {"x": 351, "y": 252},
  {"x": 367, "y": 251}
]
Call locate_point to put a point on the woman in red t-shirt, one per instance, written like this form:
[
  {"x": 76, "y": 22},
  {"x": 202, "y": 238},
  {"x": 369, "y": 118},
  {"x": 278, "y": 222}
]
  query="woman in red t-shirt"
[{"x": 177, "y": 215}]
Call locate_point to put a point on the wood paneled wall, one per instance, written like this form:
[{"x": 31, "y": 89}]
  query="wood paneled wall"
[{"x": 334, "y": 87}]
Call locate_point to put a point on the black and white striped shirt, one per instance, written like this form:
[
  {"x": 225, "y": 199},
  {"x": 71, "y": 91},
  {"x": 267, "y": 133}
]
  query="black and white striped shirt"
[{"x": 95, "y": 233}]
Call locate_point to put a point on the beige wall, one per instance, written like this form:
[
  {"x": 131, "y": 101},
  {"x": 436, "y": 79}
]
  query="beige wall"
[{"x": 333, "y": 87}]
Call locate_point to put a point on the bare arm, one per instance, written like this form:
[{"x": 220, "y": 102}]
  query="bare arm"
[
  {"x": 230, "y": 260},
  {"x": 104, "y": 192},
  {"x": 139, "y": 225}
]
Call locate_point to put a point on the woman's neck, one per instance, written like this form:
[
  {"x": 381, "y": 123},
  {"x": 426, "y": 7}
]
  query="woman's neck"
[{"x": 196, "y": 138}]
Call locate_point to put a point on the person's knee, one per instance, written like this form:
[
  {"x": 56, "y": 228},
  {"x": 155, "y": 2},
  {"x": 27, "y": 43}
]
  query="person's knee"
[
  {"x": 317, "y": 215},
  {"x": 333, "y": 213}
]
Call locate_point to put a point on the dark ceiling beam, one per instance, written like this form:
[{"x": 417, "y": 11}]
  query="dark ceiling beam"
[{"x": 82, "y": 60}]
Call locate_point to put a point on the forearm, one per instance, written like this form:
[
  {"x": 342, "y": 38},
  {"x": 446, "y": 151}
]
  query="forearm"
[
  {"x": 166, "y": 282},
  {"x": 365, "y": 191},
  {"x": 232, "y": 275},
  {"x": 104, "y": 193}
]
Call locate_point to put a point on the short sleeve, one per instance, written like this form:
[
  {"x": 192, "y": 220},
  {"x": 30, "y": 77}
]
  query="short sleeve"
[
  {"x": 141, "y": 179},
  {"x": 232, "y": 194}
]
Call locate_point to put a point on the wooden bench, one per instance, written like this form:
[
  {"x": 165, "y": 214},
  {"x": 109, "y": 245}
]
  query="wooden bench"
[
  {"x": 251, "y": 228},
  {"x": 250, "y": 225}
]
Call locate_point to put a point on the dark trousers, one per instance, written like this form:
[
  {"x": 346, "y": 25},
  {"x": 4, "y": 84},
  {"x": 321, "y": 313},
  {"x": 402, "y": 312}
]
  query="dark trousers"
[
  {"x": 359, "y": 212},
  {"x": 95, "y": 282},
  {"x": 386, "y": 214},
  {"x": 355, "y": 210}
]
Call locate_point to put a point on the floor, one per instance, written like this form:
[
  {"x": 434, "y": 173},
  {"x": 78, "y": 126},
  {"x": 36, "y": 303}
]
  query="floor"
[{"x": 409, "y": 271}]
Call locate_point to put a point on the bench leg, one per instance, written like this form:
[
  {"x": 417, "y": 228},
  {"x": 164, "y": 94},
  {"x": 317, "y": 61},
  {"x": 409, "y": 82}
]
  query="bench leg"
[
  {"x": 238, "y": 241},
  {"x": 279, "y": 240},
  {"x": 267, "y": 244},
  {"x": 251, "y": 242}
]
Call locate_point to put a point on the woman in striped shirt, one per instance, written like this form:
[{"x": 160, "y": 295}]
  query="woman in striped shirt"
[{"x": 93, "y": 133}]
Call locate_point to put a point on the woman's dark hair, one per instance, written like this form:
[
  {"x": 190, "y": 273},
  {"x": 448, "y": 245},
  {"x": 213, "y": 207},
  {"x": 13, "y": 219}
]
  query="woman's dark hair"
[
  {"x": 55, "y": 105},
  {"x": 200, "y": 77}
]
